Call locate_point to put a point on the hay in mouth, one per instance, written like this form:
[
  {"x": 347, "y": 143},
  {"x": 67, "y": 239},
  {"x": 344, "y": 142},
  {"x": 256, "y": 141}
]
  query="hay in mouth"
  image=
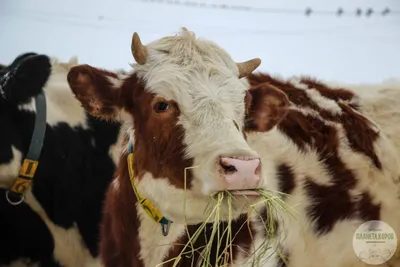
[
  {"x": 244, "y": 192},
  {"x": 216, "y": 246}
]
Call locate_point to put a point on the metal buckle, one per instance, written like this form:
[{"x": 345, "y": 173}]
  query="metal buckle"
[
  {"x": 165, "y": 228},
  {"x": 14, "y": 203}
]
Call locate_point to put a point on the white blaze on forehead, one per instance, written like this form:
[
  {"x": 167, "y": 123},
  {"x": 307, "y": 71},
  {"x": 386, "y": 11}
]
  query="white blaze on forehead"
[{"x": 199, "y": 75}]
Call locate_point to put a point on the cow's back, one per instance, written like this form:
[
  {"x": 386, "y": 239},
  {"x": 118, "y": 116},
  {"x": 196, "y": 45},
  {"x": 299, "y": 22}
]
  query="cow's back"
[{"x": 337, "y": 156}]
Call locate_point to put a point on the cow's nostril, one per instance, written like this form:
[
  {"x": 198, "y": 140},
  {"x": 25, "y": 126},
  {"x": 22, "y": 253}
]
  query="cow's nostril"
[{"x": 228, "y": 168}]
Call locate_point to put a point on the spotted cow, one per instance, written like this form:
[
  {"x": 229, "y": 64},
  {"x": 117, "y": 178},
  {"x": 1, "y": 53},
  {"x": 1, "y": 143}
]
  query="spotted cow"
[
  {"x": 54, "y": 220},
  {"x": 197, "y": 123}
]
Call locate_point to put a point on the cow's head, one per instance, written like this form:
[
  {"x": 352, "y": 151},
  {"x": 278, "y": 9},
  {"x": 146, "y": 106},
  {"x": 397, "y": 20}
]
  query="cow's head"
[
  {"x": 23, "y": 78},
  {"x": 187, "y": 105}
]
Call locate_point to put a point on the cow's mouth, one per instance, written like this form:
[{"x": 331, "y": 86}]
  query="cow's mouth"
[
  {"x": 252, "y": 193},
  {"x": 247, "y": 193}
]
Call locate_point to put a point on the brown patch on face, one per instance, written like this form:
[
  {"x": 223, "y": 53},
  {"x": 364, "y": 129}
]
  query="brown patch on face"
[
  {"x": 352, "y": 122},
  {"x": 158, "y": 144},
  {"x": 241, "y": 243},
  {"x": 286, "y": 180},
  {"x": 158, "y": 147},
  {"x": 266, "y": 106}
]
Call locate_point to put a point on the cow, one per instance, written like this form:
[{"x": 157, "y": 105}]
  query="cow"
[
  {"x": 56, "y": 162},
  {"x": 196, "y": 124}
]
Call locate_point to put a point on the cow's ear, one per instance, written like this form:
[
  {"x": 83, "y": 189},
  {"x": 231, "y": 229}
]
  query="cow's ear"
[
  {"x": 98, "y": 90},
  {"x": 266, "y": 107},
  {"x": 24, "y": 77}
]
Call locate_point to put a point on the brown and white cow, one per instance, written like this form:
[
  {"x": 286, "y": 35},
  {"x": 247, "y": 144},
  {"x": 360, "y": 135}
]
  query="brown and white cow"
[{"x": 334, "y": 152}]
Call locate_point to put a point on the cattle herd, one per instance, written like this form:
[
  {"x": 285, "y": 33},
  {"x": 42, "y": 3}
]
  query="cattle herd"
[{"x": 117, "y": 169}]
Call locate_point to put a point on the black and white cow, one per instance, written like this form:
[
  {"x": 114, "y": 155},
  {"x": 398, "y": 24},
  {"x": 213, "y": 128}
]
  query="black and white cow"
[{"x": 55, "y": 221}]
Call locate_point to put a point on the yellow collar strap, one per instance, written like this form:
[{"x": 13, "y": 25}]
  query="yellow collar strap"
[{"x": 148, "y": 207}]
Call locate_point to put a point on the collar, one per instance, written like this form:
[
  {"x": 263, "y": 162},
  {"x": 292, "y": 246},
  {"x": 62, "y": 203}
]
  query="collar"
[
  {"x": 148, "y": 207},
  {"x": 15, "y": 195}
]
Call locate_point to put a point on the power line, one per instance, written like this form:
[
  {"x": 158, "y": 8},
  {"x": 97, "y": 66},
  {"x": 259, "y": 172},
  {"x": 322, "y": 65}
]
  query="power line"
[{"x": 308, "y": 11}]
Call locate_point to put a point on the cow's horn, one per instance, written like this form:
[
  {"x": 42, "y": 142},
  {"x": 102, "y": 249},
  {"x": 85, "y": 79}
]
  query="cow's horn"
[
  {"x": 247, "y": 67},
  {"x": 139, "y": 51}
]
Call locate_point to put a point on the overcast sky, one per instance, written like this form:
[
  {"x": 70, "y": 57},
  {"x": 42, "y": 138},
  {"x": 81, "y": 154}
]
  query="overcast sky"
[{"x": 346, "y": 48}]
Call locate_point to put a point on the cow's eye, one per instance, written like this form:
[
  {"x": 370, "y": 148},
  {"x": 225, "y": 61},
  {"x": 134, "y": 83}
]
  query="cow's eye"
[{"x": 161, "y": 106}]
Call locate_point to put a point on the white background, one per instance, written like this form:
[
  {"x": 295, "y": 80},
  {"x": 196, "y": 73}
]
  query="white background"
[{"x": 346, "y": 48}]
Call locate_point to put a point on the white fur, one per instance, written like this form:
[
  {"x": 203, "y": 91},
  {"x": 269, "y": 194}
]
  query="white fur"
[
  {"x": 154, "y": 247},
  {"x": 324, "y": 102},
  {"x": 10, "y": 170},
  {"x": 69, "y": 249}
]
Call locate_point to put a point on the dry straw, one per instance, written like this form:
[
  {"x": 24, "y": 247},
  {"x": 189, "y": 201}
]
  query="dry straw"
[{"x": 218, "y": 248}]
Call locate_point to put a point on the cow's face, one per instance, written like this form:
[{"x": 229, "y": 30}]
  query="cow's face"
[
  {"x": 20, "y": 82},
  {"x": 188, "y": 107}
]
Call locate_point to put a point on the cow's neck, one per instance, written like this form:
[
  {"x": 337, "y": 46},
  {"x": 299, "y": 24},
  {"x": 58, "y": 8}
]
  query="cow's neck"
[{"x": 154, "y": 246}]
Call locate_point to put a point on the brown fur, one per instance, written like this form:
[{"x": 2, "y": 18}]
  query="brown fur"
[
  {"x": 119, "y": 244},
  {"x": 268, "y": 107},
  {"x": 286, "y": 179},
  {"x": 90, "y": 86},
  {"x": 159, "y": 147},
  {"x": 353, "y": 122}
]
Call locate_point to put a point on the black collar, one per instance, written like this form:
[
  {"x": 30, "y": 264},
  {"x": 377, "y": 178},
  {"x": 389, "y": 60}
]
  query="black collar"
[{"x": 15, "y": 195}]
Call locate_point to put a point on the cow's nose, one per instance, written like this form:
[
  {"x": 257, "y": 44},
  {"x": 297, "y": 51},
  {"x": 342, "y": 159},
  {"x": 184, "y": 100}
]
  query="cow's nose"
[{"x": 240, "y": 173}]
